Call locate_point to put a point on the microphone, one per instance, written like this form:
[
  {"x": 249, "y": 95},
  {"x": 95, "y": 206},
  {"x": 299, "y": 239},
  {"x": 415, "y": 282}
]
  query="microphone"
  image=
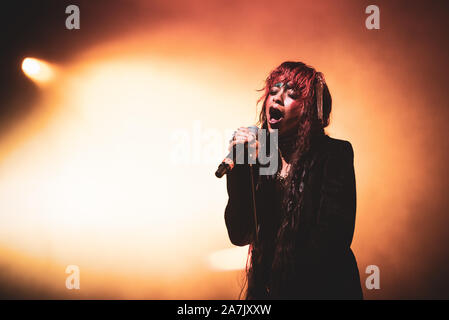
[{"x": 228, "y": 164}]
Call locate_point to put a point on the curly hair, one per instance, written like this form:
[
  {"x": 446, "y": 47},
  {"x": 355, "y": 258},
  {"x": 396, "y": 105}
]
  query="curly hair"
[{"x": 275, "y": 257}]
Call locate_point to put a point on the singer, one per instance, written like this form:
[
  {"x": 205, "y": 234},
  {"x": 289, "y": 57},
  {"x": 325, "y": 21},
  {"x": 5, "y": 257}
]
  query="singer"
[{"x": 305, "y": 212}]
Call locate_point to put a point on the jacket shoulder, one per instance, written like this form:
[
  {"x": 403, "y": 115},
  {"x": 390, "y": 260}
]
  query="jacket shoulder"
[{"x": 338, "y": 147}]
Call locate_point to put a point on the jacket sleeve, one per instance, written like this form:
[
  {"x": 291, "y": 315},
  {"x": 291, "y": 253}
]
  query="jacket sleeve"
[
  {"x": 335, "y": 222},
  {"x": 239, "y": 209}
]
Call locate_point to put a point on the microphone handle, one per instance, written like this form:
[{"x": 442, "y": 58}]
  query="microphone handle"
[
  {"x": 225, "y": 166},
  {"x": 228, "y": 164}
]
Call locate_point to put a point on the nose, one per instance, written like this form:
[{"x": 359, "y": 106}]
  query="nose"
[{"x": 279, "y": 97}]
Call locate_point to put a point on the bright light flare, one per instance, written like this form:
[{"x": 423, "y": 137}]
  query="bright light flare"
[
  {"x": 229, "y": 259},
  {"x": 38, "y": 70},
  {"x": 99, "y": 189}
]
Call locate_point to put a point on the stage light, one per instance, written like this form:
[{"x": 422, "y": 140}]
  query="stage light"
[
  {"x": 229, "y": 259},
  {"x": 37, "y": 70}
]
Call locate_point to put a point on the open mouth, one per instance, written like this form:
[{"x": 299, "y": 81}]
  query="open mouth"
[{"x": 275, "y": 115}]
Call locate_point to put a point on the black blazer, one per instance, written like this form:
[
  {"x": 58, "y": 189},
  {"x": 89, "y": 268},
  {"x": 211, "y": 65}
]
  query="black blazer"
[{"x": 325, "y": 264}]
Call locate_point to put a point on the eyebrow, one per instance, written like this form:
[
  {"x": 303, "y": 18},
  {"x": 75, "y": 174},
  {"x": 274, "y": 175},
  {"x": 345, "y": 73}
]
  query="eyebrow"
[{"x": 288, "y": 85}]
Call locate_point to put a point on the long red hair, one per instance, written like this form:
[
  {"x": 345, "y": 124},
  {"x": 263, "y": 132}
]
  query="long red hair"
[{"x": 305, "y": 80}]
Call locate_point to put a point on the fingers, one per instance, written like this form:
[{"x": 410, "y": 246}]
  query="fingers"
[
  {"x": 235, "y": 142},
  {"x": 243, "y": 132},
  {"x": 250, "y": 134},
  {"x": 253, "y": 146},
  {"x": 243, "y": 135}
]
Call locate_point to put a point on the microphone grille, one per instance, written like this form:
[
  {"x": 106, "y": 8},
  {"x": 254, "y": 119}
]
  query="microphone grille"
[{"x": 254, "y": 130}]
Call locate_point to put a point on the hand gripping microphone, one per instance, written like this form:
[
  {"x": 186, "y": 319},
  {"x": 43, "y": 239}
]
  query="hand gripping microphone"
[{"x": 228, "y": 164}]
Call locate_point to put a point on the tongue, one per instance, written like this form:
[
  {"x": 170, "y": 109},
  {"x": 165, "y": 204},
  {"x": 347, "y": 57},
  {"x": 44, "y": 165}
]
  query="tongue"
[{"x": 274, "y": 119}]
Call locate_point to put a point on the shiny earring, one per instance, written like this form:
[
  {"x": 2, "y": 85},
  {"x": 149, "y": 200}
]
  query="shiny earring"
[{"x": 319, "y": 95}]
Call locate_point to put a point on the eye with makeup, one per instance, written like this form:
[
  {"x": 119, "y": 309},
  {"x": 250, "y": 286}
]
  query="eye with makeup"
[
  {"x": 292, "y": 93},
  {"x": 273, "y": 91}
]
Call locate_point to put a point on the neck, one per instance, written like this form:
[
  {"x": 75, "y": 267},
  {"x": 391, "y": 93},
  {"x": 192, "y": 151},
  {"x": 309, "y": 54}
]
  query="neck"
[{"x": 287, "y": 146}]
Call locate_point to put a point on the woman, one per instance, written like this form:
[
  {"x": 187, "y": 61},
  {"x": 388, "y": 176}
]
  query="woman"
[{"x": 306, "y": 211}]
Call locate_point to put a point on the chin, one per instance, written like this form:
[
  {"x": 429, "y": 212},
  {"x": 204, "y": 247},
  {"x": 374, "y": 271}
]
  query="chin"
[{"x": 276, "y": 125}]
